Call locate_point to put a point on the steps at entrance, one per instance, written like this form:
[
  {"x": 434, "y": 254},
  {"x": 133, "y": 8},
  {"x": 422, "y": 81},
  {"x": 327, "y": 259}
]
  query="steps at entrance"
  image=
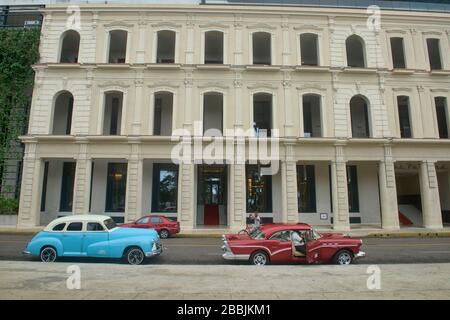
[{"x": 411, "y": 213}]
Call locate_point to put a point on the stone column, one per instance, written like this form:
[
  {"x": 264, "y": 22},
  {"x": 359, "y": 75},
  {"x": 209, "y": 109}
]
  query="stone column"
[
  {"x": 82, "y": 184},
  {"x": 186, "y": 194},
  {"x": 138, "y": 102},
  {"x": 189, "y": 53},
  {"x": 135, "y": 168},
  {"x": 340, "y": 191},
  {"x": 31, "y": 188},
  {"x": 388, "y": 192},
  {"x": 238, "y": 40},
  {"x": 429, "y": 190},
  {"x": 288, "y": 112},
  {"x": 286, "y": 42},
  {"x": 140, "y": 53},
  {"x": 289, "y": 205}
]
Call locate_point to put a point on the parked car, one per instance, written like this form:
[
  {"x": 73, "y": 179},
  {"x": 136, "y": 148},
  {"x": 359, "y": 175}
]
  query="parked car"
[
  {"x": 272, "y": 243},
  {"x": 163, "y": 225},
  {"x": 93, "y": 236}
]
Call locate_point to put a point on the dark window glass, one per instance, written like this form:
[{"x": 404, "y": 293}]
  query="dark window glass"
[
  {"x": 44, "y": 187},
  {"x": 262, "y": 48},
  {"x": 110, "y": 224},
  {"x": 403, "y": 114},
  {"x": 165, "y": 187},
  {"x": 442, "y": 115},
  {"x": 70, "y": 47},
  {"x": 94, "y": 226},
  {"x": 398, "y": 53},
  {"x": 259, "y": 190},
  {"x": 434, "y": 54},
  {"x": 166, "y": 47},
  {"x": 214, "y": 47},
  {"x": 352, "y": 181},
  {"x": 68, "y": 180},
  {"x": 117, "y": 46},
  {"x": 158, "y": 117},
  {"x": 262, "y": 114},
  {"x": 75, "y": 226},
  {"x": 311, "y": 116},
  {"x": 306, "y": 186},
  {"x": 116, "y": 186},
  {"x": 355, "y": 52},
  {"x": 114, "y": 124},
  {"x": 359, "y": 117},
  {"x": 144, "y": 220},
  {"x": 308, "y": 49},
  {"x": 59, "y": 227}
]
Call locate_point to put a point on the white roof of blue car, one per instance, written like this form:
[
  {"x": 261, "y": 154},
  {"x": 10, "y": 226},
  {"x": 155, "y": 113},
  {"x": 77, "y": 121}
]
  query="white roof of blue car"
[{"x": 77, "y": 218}]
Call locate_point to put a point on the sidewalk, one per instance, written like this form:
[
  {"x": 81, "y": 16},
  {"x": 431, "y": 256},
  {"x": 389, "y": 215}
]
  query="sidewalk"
[
  {"x": 36, "y": 280},
  {"x": 360, "y": 232}
]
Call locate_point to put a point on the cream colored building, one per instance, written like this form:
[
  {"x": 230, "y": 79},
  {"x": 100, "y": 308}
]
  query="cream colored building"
[{"x": 362, "y": 115}]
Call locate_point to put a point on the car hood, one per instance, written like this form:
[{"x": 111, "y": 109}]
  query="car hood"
[
  {"x": 134, "y": 232},
  {"x": 330, "y": 235},
  {"x": 127, "y": 225},
  {"x": 236, "y": 236}
]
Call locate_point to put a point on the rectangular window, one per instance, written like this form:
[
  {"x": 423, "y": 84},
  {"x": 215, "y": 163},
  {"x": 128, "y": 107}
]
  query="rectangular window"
[
  {"x": 306, "y": 188},
  {"x": 158, "y": 114},
  {"x": 44, "y": 187},
  {"x": 165, "y": 187},
  {"x": 434, "y": 54},
  {"x": 114, "y": 124},
  {"x": 352, "y": 181},
  {"x": 308, "y": 49},
  {"x": 398, "y": 53},
  {"x": 442, "y": 116},
  {"x": 68, "y": 179},
  {"x": 116, "y": 186},
  {"x": 259, "y": 190},
  {"x": 403, "y": 115}
]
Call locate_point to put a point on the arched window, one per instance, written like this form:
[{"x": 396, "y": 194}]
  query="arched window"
[
  {"x": 311, "y": 116},
  {"x": 62, "y": 114},
  {"x": 359, "y": 114},
  {"x": 117, "y": 52},
  {"x": 112, "y": 117},
  {"x": 213, "y": 47},
  {"x": 70, "y": 46},
  {"x": 262, "y": 48},
  {"x": 309, "y": 50},
  {"x": 163, "y": 114},
  {"x": 165, "y": 52},
  {"x": 262, "y": 114},
  {"x": 212, "y": 114},
  {"x": 355, "y": 52}
]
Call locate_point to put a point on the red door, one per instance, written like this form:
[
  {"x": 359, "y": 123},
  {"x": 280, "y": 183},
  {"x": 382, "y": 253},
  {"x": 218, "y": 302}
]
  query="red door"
[{"x": 211, "y": 214}]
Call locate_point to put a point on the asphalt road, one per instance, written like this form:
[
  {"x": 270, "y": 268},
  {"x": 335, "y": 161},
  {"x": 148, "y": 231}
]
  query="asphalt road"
[{"x": 208, "y": 250}]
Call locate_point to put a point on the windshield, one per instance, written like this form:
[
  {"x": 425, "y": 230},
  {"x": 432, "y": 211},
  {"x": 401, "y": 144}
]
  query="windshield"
[
  {"x": 110, "y": 224},
  {"x": 257, "y": 234},
  {"x": 315, "y": 234}
]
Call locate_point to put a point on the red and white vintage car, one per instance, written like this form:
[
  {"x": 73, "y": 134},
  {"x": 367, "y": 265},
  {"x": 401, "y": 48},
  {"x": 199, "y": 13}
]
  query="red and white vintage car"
[{"x": 272, "y": 243}]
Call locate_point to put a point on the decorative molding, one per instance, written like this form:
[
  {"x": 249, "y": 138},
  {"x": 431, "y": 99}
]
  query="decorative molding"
[
  {"x": 118, "y": 24},
  {"x": 212, "y": 85},
  {"x": 166, "y": 24},
  {"x": 308, "y": 27},
  {"x": 432, "y": 33},
  {"x": 400, "y": 31},
  {"x": 440, "y": 90},
  {"x": 163, "y": 84},
  {"x": 261, "y": 26},
  {"x": 311, "y": 86},
  {"x": 116, "y": 84},
  {"x": 399, "y": 89},
  {"x": 214, "y": 25},
  {"x": 262, "y": 86}
]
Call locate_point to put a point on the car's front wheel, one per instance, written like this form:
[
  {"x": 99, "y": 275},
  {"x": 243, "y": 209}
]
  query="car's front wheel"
[
  {"x": 48, "y": 254},
  {"x": 259, "y": 258},
  {"x": 135, "y": 256},
  {"x": 343, "y": 257},
  {"x": 164, "y": 234}
]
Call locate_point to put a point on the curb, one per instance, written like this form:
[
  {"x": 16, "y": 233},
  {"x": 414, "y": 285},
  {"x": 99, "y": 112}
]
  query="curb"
[{"x": 426, "y": 234}]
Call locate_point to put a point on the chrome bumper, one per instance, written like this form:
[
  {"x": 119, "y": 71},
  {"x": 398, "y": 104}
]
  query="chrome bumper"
[
  {"x": 359, "y": 255},
  {"x": 231, "y": 256},
  {"x": 26, "y": 253},
  {"x": 155, "y": 252}
]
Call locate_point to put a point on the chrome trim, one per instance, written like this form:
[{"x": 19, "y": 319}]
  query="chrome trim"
[
  {"x": 27, "y": 253},
  {"x": 155, "y": 251},
  {"x": 360, "y": 254},
  {"x": 231, "y": 256}
]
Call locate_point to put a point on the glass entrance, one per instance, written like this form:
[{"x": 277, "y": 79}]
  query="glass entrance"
[{"x": 212, "y": 195}]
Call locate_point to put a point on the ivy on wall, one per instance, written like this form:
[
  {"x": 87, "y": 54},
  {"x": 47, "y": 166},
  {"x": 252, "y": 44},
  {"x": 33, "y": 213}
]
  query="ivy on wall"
[{"x": 19, "y": 50}]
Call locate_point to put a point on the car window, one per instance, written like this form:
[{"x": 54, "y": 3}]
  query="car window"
[
  {"x": 143, "y": 220},
  {"x": 281, "y": 236},
  {"x": 59, "y": 227},
  {"x": 155, "y": 220},
  {"x": 110, "y": 224},
  {"x": 75, "y": 226},
  {"x": 94, "y": 226}
]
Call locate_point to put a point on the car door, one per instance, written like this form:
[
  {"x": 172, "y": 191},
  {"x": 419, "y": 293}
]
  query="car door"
[
  {"x": 95, "y": 240},
  {"x": 155, "y": 223},
  {"x": 280, "y": 247},
  {"x": 72, "y": 239},
  {"x": 312, "y": 247}
]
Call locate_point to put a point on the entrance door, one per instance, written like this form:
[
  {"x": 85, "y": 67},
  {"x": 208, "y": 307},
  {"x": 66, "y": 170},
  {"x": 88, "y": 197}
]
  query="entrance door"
[{"x": 212, "y": 195}]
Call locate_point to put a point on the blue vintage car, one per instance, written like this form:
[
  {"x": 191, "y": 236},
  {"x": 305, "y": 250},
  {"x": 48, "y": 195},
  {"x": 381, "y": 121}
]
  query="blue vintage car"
[{"x": 93, "y": 236}]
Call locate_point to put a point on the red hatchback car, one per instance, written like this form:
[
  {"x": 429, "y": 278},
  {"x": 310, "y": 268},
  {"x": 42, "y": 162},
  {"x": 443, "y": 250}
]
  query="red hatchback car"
[
  {"x": 164, "y": 226},
  {"x": 272, "y": 243}
]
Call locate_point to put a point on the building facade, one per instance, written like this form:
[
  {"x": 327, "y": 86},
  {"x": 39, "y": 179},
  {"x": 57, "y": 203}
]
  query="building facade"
[{"x": 359, "y": 115}]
